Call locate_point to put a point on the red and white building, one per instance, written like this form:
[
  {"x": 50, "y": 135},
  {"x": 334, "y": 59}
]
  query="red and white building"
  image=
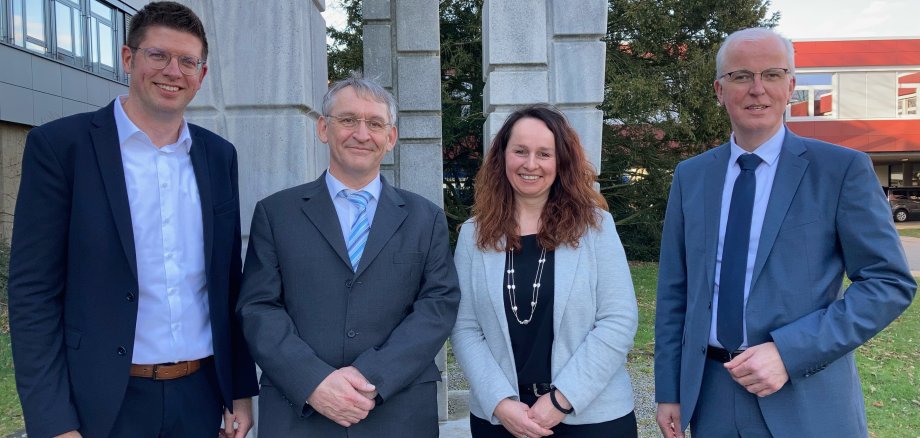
[{"x": 862, "y": 94}]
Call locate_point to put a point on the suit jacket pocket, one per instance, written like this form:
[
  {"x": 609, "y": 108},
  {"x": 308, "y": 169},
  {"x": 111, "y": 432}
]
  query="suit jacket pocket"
[
  {"x": 72, "y": 338},
  {"x": 408, "y": 257},
  {"x": 226, "y": 207}
]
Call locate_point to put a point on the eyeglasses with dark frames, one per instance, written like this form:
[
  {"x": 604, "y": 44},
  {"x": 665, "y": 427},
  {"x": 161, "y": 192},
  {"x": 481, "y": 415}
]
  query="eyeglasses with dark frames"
[
  {"x": 351, "y": 122},
  {"x": 770, "y": 75},
  {"x": 159, "y": 59}
]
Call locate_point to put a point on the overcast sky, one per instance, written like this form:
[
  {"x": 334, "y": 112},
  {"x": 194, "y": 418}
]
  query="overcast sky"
[
  {"x": 848, "y": 18},
  {"x": 811, "y": 18}
]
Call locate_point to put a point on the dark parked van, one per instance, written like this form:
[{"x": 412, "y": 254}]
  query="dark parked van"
[{"x": 904, "y": 201}]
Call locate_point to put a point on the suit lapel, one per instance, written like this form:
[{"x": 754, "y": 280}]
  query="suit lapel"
[
  {"x": 712, "y": 208},
  {"x": 789, "y": 171},
  {"x": 566, "y": 259},
  {"x": 199, "y": 157},
  {"x": 389, "y": 216},
  {"x": 108, "y": 154},
  {"x": 321, "y": 212}
]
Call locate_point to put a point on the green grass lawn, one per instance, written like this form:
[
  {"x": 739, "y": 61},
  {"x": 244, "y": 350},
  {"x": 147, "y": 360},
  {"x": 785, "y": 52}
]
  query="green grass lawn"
[{"x": 909, "y": 232}]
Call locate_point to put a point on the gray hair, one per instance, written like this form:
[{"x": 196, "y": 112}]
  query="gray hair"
[
  {"x": 365, "y": 89},
  {"x": 754, "y": 34}
]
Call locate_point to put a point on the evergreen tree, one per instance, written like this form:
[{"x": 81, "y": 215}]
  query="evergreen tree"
[{"x": 659, "y": 102}]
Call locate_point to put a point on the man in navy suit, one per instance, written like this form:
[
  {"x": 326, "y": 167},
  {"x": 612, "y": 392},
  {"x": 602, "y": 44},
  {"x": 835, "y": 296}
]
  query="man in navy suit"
[
  {"x": 754, "y": 334},
  {"x": 125, "y": 264}
]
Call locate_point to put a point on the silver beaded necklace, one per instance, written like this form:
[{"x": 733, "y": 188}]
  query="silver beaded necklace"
[{"x": 535, "y": 294}]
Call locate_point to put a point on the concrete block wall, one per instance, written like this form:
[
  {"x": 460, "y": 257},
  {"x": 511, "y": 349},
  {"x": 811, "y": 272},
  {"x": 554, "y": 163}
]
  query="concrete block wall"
[
  {"x": 546, "y": 51},
  {"x": 402, "y": 53}
]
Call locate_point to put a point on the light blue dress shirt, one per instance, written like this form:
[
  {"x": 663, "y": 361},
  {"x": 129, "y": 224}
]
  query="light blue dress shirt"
[
  {"x": 764, "y": 175},
  {"x": 347, "y": 211}
]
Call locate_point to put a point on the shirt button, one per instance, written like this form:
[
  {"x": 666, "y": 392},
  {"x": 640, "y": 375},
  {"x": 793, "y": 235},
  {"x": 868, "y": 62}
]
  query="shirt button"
[
  {"x": 351, "y": 334},
  {"x": 121, "y": 351}
]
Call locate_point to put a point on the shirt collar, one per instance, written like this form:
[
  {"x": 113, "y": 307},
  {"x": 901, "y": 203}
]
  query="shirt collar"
[
  {"x": 768, "y": 151},
  {"x": 127, "y": 128},
  {"x": 335, "y": 186}
]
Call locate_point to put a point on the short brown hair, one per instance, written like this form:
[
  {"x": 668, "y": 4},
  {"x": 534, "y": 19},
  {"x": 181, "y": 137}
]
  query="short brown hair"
[
  {"x": 171, "y": 15},
  {"x": 572, "y": 205}
]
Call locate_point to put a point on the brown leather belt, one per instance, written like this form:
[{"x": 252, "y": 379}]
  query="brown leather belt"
[{"x": 167, "y": 371}]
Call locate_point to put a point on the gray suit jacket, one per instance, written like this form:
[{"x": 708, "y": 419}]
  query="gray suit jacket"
[
  {"x": 594, "y": 321},
  {"x": 305, "y": 312},
  {"x": 826, "y": 217}
]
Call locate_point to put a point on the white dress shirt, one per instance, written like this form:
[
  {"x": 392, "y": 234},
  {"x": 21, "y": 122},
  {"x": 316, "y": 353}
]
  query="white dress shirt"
[
  {"x": 764, "y": 175},
  {"x": 173, "y": 321},
  {"x": 346, "y": 211}
]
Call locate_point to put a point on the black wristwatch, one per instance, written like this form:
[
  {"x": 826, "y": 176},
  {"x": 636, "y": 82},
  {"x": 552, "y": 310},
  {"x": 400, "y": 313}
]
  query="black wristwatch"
[{"x": 552, "y": 398}]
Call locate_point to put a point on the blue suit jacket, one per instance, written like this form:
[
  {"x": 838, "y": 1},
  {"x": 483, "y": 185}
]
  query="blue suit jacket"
[
  {"x": 826, "y": 217},
  {"x": 73, "y": 273}
]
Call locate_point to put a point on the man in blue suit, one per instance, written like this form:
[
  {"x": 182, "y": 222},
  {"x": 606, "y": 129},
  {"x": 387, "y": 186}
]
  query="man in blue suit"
[
  {"x": 754, "y": 333},
  {"x": 125, "y": 265}
]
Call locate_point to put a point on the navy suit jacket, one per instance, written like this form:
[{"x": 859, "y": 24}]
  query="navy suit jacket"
[
  {"x": 306, "y": 313},
  {"x": 827, "y": 216},
  {"x": 73, "y": 274}
]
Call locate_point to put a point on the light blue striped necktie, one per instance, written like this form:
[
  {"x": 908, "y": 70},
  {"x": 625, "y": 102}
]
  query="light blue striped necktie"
[{"x": 360, "y": 228}]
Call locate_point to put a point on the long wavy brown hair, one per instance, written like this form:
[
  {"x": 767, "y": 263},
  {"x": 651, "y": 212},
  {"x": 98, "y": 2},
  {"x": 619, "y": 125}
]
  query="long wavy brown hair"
[{"x": 570, "y": 209}]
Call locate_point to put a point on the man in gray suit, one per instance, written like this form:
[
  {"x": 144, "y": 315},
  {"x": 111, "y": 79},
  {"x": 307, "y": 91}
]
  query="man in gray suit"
[
  {"x": 349, "y": 288},
  {"x": 754, "y": 333}
]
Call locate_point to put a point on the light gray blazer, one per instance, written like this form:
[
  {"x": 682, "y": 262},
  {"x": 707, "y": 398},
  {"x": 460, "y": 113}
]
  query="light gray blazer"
[{"x": 594, "y": 322}]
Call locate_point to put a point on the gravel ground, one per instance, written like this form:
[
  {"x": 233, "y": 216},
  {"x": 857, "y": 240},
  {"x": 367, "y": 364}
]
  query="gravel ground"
[{"x": 640, "y": 367}]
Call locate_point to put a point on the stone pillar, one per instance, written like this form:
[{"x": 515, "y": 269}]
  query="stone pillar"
[
  {"x": 267, "y": 73},
  {"x": 263, "y": 91},
  {"x": 546, "y": 51},
  {"x": 402, "y": 53}
]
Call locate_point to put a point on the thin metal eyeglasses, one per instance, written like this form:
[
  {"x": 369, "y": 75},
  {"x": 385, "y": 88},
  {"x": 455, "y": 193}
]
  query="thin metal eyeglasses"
[
  {"x": 351, "y": 122},
  {"x": 770, "y": 75},
  {"x": 159, "y": 59}
]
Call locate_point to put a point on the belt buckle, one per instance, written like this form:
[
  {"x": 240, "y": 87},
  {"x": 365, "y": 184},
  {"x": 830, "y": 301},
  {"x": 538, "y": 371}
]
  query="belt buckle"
[
  {"x": 156, "y": 368},
  {"x": 536, "y": 391},
  {"x": 733, "y": 354}
]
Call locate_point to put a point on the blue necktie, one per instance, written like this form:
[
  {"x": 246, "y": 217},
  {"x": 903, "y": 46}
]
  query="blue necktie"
[
  {"x": 360, "y": 228},
  {"x": 730, "y": 330}
]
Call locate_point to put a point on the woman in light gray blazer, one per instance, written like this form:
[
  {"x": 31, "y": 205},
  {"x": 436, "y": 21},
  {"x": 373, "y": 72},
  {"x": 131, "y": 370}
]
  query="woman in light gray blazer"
[{"x": 547, "y": 312}]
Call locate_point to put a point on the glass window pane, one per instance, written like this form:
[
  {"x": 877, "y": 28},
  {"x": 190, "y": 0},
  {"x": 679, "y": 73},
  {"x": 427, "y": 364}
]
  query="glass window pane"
[
  {"x": 106, "y": 45},
  {"x": 814, "y": 79},
  {"x": 77, "y": 33},
  {"x": 101, "y": 10},
  {"x": 907, "y": 93},
  {"x": 64, "y": 28},
  {"x": 35, "y": 19},
  {"x": 824, "y": 102},
  {"x": 799, "y": 103},
  {"x": 94, "y": 39},
  {"x": 18, "y": 34}
]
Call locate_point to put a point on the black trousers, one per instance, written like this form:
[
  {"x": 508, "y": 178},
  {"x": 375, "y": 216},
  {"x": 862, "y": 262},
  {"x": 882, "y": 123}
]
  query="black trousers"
[
  {"x": 623, "y": 427},
  {"x": 187, "y": 407}
]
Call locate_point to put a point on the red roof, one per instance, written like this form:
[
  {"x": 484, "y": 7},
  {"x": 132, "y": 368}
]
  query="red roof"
[{"x": 857, "y": 53}]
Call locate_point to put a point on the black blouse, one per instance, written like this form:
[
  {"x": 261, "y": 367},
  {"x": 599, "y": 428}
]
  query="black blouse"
[{"x": 532, "y": 344}]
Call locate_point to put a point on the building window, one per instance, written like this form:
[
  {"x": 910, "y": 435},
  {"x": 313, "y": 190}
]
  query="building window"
[
  {"x": 908, "y": 82},
  {"x": 813, "y": 96},
  {"x": 68, "y": 30},
  {"x": 29, "y": 24},
  {"x": 87, "y": 34}
]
